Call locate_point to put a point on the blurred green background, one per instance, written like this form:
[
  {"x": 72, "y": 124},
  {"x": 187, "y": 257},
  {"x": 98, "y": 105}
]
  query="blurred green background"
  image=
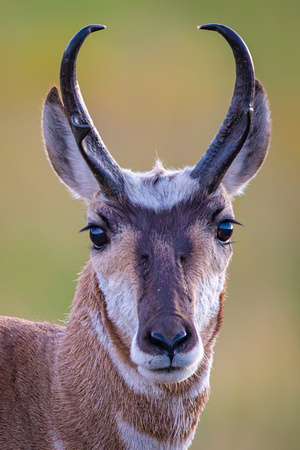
[{"x": 155, "y": 84}]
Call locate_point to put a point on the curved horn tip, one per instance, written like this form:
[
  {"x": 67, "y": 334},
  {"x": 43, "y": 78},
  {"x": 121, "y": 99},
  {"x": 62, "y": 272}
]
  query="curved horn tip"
[
  {"x": 232, "y": 37},
  {"x": 94, "y": 27},
  {"x": 85, "y": 31},
  {"x": 213, "y": 26},
  {"x": 76, "y": 42}
]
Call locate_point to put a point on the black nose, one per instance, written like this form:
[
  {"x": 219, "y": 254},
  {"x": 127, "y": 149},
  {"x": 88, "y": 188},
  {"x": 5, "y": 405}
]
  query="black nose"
[{"x": 163, "y": 344}]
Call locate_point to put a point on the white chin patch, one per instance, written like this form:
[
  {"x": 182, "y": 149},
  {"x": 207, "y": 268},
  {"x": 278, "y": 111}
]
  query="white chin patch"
[
  {"x": 160, "y": 369},
  {"x": 169, "y": 375}
]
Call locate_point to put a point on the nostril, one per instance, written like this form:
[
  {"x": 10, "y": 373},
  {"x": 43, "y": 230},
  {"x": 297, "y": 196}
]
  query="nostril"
[
  {"x": 162, "y": 343},
  {"x": 178, "y": 339}
]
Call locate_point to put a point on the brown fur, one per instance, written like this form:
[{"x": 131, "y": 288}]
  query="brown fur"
[
  {"x": 27, "y": 354},
  {"x": 54, "y": 384}
]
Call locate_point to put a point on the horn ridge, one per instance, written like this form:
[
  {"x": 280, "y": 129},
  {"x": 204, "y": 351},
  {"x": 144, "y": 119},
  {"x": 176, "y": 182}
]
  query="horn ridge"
[
  {"x": 235, "y": 128},
  {"x": 71, "y": 94},
  {"x": 105, "y": 169}
]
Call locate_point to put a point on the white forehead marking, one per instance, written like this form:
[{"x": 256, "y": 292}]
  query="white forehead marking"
[{"x": 160, "y": 188}]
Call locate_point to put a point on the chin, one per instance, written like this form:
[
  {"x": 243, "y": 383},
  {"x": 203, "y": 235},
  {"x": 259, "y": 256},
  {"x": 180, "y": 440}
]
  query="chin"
[{"x": 168, "y": 375}]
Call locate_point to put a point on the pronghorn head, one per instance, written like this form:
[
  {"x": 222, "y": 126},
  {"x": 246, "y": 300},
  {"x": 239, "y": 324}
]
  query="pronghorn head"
[{"x": 161, "y": 239}]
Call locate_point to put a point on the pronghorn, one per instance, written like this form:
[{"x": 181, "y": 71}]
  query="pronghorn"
[{"x": 131, "y": 368}]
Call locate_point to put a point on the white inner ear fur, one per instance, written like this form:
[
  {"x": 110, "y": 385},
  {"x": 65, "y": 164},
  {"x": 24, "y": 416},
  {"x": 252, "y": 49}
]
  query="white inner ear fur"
[
  {"x": 249, "y": 160},
  {"x": 63, "y": 152}
]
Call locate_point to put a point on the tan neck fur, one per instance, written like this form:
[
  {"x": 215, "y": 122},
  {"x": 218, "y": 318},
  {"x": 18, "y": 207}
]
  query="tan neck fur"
[{"x": 89, "y": 382}]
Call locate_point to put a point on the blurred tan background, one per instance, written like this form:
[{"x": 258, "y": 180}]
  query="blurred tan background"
[{"x": 155, "y": 84}]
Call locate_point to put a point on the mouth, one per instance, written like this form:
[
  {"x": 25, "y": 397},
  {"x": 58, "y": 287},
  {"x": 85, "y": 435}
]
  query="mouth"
[
  {"x": 168, "y": 374},
  {"x": 169, "y": 369},
  {"x": 160, "y": 368}
]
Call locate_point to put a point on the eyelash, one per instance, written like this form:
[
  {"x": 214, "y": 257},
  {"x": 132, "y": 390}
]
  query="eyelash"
[
  {"x": 88, "y": 227},
  {"x": 235, "y": 222}
]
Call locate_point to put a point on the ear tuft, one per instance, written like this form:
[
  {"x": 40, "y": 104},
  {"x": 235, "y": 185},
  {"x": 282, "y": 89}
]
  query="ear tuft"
[
  {"x": 62, "y": 149},
  {"x": 252, "y": 155}
]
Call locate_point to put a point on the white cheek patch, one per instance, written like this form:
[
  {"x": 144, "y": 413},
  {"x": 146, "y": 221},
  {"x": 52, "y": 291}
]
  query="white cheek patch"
[
  {"x": 121, "y": 303},
  {"x": 207, "y": 303},
  {"x": 133, "y": 379}
]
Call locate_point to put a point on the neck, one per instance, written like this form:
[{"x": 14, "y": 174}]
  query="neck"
[{"x": 117, "y": 405}]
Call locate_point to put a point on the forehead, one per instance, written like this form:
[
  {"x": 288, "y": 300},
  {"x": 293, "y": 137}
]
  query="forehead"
[
  {"x": 160, "y": 200},
  {"x": 160, "y": 189}
]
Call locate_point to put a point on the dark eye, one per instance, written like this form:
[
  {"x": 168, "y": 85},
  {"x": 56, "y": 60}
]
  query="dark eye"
[
  {"x": 98, "y": 237},
  {"x": 225, "y": 231}
]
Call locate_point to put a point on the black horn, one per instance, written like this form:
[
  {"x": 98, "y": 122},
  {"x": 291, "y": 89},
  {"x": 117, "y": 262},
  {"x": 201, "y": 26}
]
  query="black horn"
[
  {"x": 234, "y": 130},
  {"x": 105, "y": 169}
]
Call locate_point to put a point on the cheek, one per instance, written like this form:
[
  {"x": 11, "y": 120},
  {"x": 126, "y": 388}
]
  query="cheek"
[
  {"x": 121, "y": 303},
  {"x": 116, "y": 273},
  {"x": 207, "y": 299},
  {"x": 221, "y": 256}
]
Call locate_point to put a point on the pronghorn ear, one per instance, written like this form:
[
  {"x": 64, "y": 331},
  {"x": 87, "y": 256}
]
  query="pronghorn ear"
[
  {"x": 62, "y": 149},
  {"x": 252, "y": 155}
]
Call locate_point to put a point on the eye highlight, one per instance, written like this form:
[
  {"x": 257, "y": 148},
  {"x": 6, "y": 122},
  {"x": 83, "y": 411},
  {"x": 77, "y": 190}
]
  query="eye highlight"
[
  {"x": 225, "y": 231},
  {"x": 98, "y": 235}
]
